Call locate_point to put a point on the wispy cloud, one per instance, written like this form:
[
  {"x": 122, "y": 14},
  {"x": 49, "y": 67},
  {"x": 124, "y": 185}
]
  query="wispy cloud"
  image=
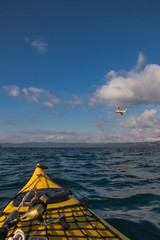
[
  {"x": 12, "y": 90},
  {"x": 41, "y": 46},
  {"x": 76, "y": 100},
  {"x": 42, "y": 97},
  {"x": 37, "y": 95},
  {"x": 41, "y": 135},
  {"x": 73, "y": 101},
  {"x": 55, "y": 138},
  {"x": 141, "y": 61},
  {"x": 58, "y": 114},
  {"x": 48, "y": 104},
  {"x": 100, "y": 123},
  {"x": 51, "y": 132},
  {"x": 130, "y": 88},
  {"x": 47, "y": 135},
  {"x": 26, "y": 39}
]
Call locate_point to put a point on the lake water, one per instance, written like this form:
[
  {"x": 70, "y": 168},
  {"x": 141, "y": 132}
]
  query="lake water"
[{"x": 122, "y": 184}]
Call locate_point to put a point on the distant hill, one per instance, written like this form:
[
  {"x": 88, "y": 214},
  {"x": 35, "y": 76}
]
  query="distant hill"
[{"x": 78, "y": 145}]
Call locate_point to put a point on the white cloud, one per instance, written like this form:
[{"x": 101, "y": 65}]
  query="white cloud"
[
  {"x": 25, "y": 91},
  {"x": 142, "y": 128},
  {"x": 51, "y": 137},
  {"x": 57, "y": 138},
  {"x": 48, "y": 104},
  {"x": 130, "y": 88},
  {"x": 37, "y": 90},
  {"x": 41, "y": 46},
  {"x": 37, "y": 95},
  {"x": 148, "y": 119},
  {"x": 58, "y": 114},
  {"x": 26, "y": 39},
  {"x": 42, "y": 97},
  {"x": 145, "y": 127},
  {"x": 74, "y": 101},
  {"x": 47, "y": 135},
  {"x": 12, "y": 90},
  {"x": 141, "y": 61}
]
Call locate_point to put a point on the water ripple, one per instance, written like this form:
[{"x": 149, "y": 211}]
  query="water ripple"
[{"x": 121, "y": 184}]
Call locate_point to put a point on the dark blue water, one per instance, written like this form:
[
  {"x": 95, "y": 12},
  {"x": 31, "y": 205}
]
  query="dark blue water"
[{"x": 122, "y": 184}]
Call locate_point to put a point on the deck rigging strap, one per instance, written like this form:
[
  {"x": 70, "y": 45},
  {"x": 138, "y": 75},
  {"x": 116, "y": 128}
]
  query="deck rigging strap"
[
  {"x": 29, "y": 192},
  {"x": 54, "y": 195}
]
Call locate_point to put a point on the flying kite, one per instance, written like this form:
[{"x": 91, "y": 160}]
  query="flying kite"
[{"x": 121, "y": 111}]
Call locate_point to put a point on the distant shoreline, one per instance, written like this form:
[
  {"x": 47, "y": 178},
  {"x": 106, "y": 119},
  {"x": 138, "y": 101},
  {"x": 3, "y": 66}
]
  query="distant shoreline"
[{"x": 78, "y": 145}]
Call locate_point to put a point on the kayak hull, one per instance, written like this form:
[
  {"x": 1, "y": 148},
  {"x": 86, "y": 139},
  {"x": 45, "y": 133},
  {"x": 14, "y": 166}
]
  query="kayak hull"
[{"x": 72, "y": 219}]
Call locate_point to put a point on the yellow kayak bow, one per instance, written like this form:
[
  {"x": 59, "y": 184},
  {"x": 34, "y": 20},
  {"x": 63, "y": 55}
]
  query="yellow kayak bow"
[{"x": 43, "y": 210}]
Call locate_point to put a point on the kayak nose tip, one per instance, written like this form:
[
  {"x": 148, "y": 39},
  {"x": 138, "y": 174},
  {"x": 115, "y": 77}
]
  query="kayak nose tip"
[{"x": 41, "y": 166}]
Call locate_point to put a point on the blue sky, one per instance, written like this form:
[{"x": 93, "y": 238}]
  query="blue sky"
[{"x": 66, "y": 65}]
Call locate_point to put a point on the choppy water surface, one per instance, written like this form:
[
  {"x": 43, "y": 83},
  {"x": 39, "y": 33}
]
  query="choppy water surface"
[{"x": 122, "y": 184}]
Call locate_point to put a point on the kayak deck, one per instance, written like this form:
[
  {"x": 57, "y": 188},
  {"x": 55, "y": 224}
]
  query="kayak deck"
[
  {"x": 83, "y": 224},
  {"x": 80, "y": 222}
]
